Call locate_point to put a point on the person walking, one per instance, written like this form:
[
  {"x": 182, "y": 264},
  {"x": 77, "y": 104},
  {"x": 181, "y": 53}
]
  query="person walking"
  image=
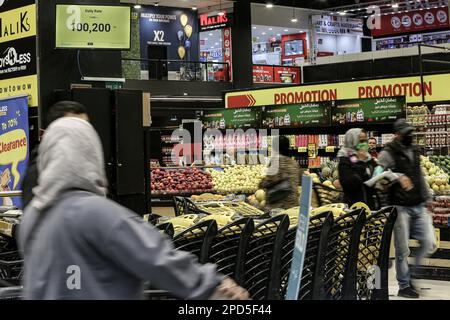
[
  {"x": 356, "y": 166},
  {"x": 373, "y": 148},
  {"x": 56, "y": 111},
  {"x": 77, "y": 244},
  {"x": 409, "y": 195},
  {"x": 283, "y": 177}
]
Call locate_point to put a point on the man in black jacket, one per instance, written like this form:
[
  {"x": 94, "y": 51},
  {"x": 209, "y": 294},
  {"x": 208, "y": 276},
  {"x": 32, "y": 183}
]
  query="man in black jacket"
[
  {"x": 409, "y": 195},
  {"x": 58, "y": 110}
]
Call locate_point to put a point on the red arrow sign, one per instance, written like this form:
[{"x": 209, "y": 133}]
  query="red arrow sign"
[{"x": 246, "y": 100}]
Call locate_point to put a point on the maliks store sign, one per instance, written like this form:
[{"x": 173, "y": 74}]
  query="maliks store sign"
[
  {"x": 173, "y": 28},
  {"x": 207, "y": 22}
]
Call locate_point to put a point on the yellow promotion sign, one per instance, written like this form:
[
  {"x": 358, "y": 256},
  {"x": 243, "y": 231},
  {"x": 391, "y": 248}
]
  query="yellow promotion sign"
[
  {"x": 435, "y": 88},
  {"x": 18, "y": 23},
  {"x": 13, "y": 149},
  {"x": 18, "y": 86}
]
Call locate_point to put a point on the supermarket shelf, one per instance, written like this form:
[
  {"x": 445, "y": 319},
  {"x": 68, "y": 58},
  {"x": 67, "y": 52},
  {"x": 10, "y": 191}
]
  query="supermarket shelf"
[
  {"x": 429, "y": 262},
  {"x": 442, "y": 244}
]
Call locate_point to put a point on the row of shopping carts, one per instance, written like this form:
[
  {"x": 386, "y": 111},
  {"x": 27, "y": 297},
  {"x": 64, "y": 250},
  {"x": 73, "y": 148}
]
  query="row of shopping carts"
[
  {"x": 340, "y": 256},
  {"x": 347, "y": 256}
]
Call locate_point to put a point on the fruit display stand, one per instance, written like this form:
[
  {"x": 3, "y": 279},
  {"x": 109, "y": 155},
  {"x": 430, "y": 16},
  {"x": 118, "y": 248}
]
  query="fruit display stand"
[
  {"x": 433, "y": 136},
  {"x": 168, "y": 182}
]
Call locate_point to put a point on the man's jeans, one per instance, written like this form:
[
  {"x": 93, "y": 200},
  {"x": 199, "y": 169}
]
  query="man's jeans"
[{"x": 412, "y": 222}]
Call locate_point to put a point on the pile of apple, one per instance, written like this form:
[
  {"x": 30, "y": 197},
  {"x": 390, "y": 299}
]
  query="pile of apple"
[
  {"x": 238, "y": 179},
  {"x": 436, "y": 177},
  {"x": 180, "y": 181}
]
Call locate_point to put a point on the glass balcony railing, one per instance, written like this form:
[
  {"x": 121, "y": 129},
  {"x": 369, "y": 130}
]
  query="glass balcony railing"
[{"x": 175, "y": 70}]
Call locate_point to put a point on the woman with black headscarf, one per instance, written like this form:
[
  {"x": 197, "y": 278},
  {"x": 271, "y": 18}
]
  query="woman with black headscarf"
[
  {"x": 283, "y": 177},
  {"x": 356, "y": 166}
]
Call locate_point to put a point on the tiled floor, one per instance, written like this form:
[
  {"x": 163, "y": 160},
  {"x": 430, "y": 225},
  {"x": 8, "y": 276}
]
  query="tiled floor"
[{"x": 429, "y": 289}]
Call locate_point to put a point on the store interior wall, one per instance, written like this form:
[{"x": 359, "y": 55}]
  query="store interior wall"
[{"x": 341, "y": 44}]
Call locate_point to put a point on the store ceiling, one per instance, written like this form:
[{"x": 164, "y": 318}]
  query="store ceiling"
[
  {"x": 356, "y": 7},
  {"x": 181, "y": 3}
]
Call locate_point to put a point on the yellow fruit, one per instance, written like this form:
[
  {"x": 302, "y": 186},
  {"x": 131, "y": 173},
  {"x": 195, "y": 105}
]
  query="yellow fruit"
[
  {"x": 260, "y": 195},
  {"x": 328, "y": 183}
]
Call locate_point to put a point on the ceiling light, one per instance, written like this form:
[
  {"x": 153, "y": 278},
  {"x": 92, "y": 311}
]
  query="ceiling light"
[
  {"x": 156, "y": 4},
  {"x": 206, "y": 39},
  {"x": 286, "y": 30},
  {"x": 394, "y": 5},
  {"x": 269, "y": 5},
  {"x": 278, "y": 35},
  {"x": 210, "y": 34},
  {"x": 254, "y": 27},
  {"x": 137, "y": 5},
  {"x": 342, "y": 13},
  {"x": 263, "y": 33},
  {"x": 194, "y": 8},
  {"x": 216, "y": 44},
  {"x": 270, "y": 29},
  {"x": 221, "y": 13},
  {"x": 294, "y": 20}
]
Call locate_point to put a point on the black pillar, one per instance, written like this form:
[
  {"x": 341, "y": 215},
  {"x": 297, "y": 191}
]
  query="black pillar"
[{"x": 242, "y": 45}]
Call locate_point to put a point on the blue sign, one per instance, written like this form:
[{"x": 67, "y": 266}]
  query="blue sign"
[
  {"x": 301, "y": 238},
  {"x": 171, "y": 28},
  {"x": 14, "y": 137}
]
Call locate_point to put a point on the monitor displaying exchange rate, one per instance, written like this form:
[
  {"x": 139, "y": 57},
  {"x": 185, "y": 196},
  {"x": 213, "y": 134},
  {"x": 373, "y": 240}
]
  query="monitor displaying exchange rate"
[{"x": 93, "y": 27}]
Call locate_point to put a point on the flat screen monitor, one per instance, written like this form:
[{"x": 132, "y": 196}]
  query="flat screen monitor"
[
  {"x": 93, "y": 27},
  {"x": 293, "y": 48}
]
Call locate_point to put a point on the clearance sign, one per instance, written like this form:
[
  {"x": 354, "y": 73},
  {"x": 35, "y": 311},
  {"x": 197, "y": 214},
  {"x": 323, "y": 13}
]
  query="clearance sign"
[
  {"x": 18, "y": 49},
  {"x": 435, "y": 88}
]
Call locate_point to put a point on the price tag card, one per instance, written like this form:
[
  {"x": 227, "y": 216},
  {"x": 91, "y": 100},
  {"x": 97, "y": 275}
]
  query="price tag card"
[
  {"x": 302, "y": 149},
  {"x": 330, "y": 149},
  {"x": 312, "y": 150}
]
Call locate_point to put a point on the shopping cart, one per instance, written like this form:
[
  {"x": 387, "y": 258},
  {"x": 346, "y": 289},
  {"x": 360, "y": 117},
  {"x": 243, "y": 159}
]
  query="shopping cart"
[
  {"x": 326, "y": 195},
  {"x": 262, "y": 264},
  {"x": 197, "y": 239},
  {"x": 339, "y": 281},
  {"x": 229, "y": 248},
  {"x": 373, "y": 255},
  {"x": 319, "y": 227}
]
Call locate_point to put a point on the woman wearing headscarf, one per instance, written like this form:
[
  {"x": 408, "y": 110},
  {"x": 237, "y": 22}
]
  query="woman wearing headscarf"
[
  {"x": 283, "y": 177},
  {"x": 355, "y": 167},
  {"x": 77, "y": 244}
]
